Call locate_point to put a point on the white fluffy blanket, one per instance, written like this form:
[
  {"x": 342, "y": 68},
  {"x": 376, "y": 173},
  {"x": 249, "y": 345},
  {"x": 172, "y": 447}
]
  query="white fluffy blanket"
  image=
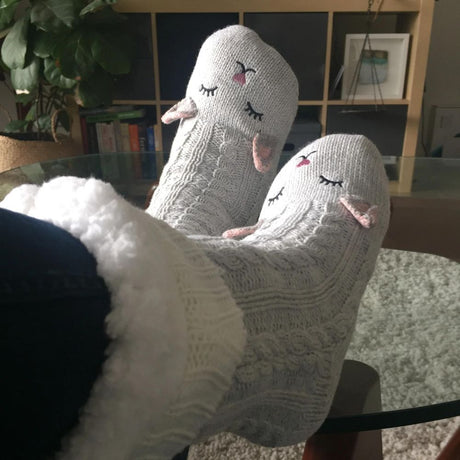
[{"x": 177, "y": 334}]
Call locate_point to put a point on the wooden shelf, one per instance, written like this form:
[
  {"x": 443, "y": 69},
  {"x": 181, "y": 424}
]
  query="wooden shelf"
[
  {"x": 318, "y": 102},
  {"x": 267, "y": 6},
  {"x": 367, "y": 102},
  {"x": 400, "y": 122},
  {"x": 137, "y": 102}
]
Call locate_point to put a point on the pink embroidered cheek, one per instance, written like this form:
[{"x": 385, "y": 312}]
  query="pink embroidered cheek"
[
  {"x": 239, "y": 78},
  {"x": 304, "y": 162}
]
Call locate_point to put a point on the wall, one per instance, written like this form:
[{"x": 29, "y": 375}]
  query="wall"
[{"x": 442, "y": 85}]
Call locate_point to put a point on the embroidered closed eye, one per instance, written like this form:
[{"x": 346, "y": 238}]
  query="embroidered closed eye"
[
  {"x": 326, "y": 181},
  {"x": 253, "y": 113},
  {"x": 244, "y": 69},
  {"x": 276, "y": 197},
  {"x": 208, "y": 91}
]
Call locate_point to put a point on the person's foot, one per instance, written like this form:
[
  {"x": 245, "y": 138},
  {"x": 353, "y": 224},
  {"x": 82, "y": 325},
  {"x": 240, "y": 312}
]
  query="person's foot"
[
  {"x": 298, "y": 276},
  {"x": 240, "y": 103}
]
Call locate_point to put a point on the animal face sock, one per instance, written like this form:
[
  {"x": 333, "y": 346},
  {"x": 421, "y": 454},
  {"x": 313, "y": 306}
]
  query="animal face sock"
[
  {"x": 215, "y": 334},
  {"x": 240, "y": 103},
  {"x": 298, "y": 275}
]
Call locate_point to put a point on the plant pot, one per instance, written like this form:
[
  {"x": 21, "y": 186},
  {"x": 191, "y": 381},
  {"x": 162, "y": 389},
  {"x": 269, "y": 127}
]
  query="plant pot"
[{"x": 15, "y": 152}]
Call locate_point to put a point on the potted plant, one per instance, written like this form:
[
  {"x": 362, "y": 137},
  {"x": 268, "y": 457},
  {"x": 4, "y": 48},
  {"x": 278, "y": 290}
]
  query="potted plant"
[{"x": 53, "y": 50}]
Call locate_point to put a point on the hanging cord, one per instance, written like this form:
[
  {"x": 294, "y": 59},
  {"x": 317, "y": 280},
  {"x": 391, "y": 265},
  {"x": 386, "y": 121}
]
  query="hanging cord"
[
  {"x": 375, "y": 81},
  {"x": 377, "y": 9}
]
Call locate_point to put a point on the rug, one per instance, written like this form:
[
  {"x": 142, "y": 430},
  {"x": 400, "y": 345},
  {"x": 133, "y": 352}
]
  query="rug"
[{"x": 408, "y": 327}]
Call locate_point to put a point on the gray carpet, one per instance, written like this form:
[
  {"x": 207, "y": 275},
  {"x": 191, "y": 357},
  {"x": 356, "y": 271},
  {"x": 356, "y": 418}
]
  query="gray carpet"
[{"x": 408, "y": 328}]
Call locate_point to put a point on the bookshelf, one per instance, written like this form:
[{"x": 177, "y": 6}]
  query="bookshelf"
[{"x": 310, "y": 35}]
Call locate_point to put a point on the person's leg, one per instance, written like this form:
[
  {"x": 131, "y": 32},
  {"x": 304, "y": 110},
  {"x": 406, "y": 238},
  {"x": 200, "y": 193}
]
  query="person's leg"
[
  {"x": 52, "y": 337},
  {"x": 225, "y": 154}
]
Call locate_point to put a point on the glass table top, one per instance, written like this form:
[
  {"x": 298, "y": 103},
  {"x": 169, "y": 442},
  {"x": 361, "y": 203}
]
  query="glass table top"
[
  {"x": 125, "y": 171},
  {"x": 435, "y": 178},
  {"x": 420, "y": 368},
  {"x": 132, "y": 174}
]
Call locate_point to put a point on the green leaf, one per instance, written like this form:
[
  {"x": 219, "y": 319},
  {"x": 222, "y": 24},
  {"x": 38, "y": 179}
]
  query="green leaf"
[
  {"x": 44, "y": 122},
  {"x": 106, "y": 52},
  {"x": 7, "y": 10},
  {"x": 95, "y": 5},
  {"x": 44, "y": 43},
  {"x": 14, "y": 47},
  {"x": 96, "y": 91},
  {"x": 16, "y": 126},
  {"x": 26, "y": 79},
  {"x": 25, "y": 99},
  {"x": 54, "y": 75},
  {"x": 75, "y": 57},
  {"x": 104, "y": 17},
  {"x": 5, "y": 4},
  {"x": 31, "y": 114},
  {"x": 53, "y": 15}
]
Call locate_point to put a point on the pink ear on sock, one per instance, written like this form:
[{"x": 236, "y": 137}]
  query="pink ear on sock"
[
  {"x": 362, "y": 211},
  {"x": 263, "y": 148},
  {"x": 240, "y": 232},
  {"x": 185, "y": 108}
]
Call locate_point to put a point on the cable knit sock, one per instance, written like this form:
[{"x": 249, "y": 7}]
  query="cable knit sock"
[
  {"x": 182, "y": 365},
  {"x": 240, "y": 103},
  {"x": 298, "y": 275}
]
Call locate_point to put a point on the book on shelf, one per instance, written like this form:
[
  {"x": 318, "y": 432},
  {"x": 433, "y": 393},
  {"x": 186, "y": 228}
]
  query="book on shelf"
[
  {"x": 142, "y": 136},
  {"x": 150, "y": 164},
  {"x": 92, "y": 144},
  {"x": 117, "y": 134},
  {"x": 122, "y": 129},
  {"x": 134, "y": 137},
  {"x": 150, "y": 133},
  {"x": 107, "y": 144},
  {"x": 142, "y": 139},
  {"x": 106, "y": 137},
  {"x": 125, "y": 140},
  {"x": 134, "y": 144},
  {"x": 84, "y": 134}
]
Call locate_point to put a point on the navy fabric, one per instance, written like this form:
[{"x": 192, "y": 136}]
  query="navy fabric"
[{"x": 52, "y": 336}]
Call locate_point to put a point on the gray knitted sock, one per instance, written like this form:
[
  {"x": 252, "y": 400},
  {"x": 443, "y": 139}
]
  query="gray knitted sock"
[
  {"x": 240, "y": 103},
  {"x": 298, "y": 277}
]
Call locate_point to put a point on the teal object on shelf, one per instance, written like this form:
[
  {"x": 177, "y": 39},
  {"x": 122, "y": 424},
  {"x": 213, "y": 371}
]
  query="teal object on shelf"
[{"x": 374, "y": 67}]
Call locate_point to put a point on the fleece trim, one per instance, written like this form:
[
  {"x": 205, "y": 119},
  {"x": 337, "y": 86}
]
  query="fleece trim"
[{"x": 160, "y": 283}]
